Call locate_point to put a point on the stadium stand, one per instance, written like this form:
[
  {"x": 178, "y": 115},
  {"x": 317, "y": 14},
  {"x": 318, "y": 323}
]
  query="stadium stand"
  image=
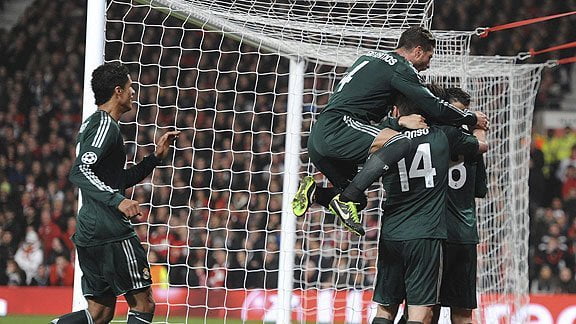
[{"x": 41, "y": 81}]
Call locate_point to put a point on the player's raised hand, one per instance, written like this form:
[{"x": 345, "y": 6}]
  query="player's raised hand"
[
  {"x": 482, "y": 120},
  {"x": 413, "y": 121},
  {"x": 130, "y": 208},
  {"x": 164, "y": 143}
]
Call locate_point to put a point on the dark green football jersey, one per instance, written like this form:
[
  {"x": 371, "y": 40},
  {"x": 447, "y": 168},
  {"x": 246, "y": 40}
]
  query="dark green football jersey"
[
  {"x": 99, "y": 173},
  {"x": 466, "y": 181},
  {"x": 368, "y": 91},
  {"x": 415, "y": 206}
]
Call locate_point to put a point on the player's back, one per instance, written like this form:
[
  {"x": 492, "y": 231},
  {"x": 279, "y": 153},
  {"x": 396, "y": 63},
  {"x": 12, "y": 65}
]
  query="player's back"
[
  {"x": 416, "y": 188},
  {"x": 466, "y": 181},
  {"x": 366, "y": 92},
  {"x": 98, "y": 171}
]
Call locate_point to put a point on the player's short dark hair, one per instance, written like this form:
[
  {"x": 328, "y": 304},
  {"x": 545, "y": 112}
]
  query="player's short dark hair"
[
  {"x": 452, "y": 94},
  {"x": 417, "y": 36},
  {"x": 105, "y": 78},
  {"x": 438, "y": 91},
  {"x": 459, "y": 95},
  {"x": 405, "y": 105}
]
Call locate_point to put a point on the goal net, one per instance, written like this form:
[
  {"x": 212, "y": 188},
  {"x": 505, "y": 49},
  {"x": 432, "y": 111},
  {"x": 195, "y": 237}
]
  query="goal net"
[{"x": 244, "y": 81}]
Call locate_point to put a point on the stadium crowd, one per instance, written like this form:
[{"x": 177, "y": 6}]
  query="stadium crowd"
[{"x": 191, "y": 213}]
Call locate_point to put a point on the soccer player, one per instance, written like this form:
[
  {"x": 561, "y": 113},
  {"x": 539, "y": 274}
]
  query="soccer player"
[
  {"x": 111, "y": 257},
  {"x": 343, "y": 135},
  {"x": 466, "y": 181},
  {"x": 413, "y": 222}
]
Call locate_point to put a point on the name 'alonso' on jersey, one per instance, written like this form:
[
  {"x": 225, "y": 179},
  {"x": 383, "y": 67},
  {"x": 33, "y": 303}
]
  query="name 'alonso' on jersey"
[
  {"x": 415, "y": 206},
  {"x": 99, "y": 173},
  {"x": 368, "y": 90}
]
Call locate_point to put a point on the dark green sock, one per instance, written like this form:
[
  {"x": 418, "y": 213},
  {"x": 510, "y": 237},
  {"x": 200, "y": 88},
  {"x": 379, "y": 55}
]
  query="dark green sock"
[
  {"x": 79, "y": 317},
  {"x": 324, "y": 195},
  {"x": 379, "y": 162},
  {"x": 382, "y": 320}
]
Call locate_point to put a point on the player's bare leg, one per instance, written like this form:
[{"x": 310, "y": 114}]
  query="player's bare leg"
[
  {"x": 436, "y": 313},
  {"x": 101, "y": 308},
  {"x": 142, "y": 306},
  {"x": 419, "y": 314},
  {"x": 385, "y": 314},
  {"x": 100, "y": 311},
  {"x": 460, "y": 315}
]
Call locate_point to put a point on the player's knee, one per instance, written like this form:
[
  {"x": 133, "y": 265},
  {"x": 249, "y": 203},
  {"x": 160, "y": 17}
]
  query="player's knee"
[
  {"x": 150, "y": 304},
  {"x": 383, "y": 137},
  {"x": 461, "y": 315}
]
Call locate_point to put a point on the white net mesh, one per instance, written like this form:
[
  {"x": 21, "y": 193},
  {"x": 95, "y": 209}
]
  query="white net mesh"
[
  {"x": 506, "y": 92},
  {"x": 217, "y": 71}
]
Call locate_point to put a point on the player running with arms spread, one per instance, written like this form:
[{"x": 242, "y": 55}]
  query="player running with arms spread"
[
  {"x": 111, "y": 257},
  {"x": 344, "y": 136}
]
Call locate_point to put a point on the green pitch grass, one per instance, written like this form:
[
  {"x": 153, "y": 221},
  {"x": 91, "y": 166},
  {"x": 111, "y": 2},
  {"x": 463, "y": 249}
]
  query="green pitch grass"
[{"x": 30, "y": 319}]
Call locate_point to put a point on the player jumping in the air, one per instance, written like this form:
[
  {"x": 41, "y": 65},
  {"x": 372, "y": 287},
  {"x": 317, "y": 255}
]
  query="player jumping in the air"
[{"x": 344, "y": 136}]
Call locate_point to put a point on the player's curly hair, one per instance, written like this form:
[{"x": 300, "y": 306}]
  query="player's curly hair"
[
  {"x": 105, "y": 78},
  {"x": 417, "y": 36}
]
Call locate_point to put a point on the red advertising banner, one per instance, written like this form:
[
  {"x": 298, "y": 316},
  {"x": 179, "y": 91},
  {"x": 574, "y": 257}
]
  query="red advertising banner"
[{"x": 312, "y": 305}]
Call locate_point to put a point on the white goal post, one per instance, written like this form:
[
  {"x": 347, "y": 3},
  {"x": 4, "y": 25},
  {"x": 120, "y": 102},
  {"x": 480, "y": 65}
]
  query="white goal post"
[{"x": 244, "y": 80}]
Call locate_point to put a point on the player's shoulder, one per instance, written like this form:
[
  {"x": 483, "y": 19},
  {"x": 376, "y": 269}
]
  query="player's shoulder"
[
  {"x": 403, "y": 65},
  {"x": 450, "y": 130},
  {"x": 98, "y": 121},
  {"x": 385, "y": 59}
]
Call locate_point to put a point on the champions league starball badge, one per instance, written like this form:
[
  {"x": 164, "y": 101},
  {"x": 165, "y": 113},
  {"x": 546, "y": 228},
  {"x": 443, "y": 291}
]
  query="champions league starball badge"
[{"x": 89, "y": 158}]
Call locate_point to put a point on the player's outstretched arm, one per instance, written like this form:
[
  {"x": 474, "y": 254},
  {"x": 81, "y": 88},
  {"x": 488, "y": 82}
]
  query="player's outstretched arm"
[
  {"x": 480, "y": 134},
  {"x": 406, "y": 81},
  {"x": 413, "y": 121},
  {"x": 164, "y": 143},
  {"x": 137, "y": 173},
  {"x": 130, "y": 208},
  {"x": 482, "y": 120}
]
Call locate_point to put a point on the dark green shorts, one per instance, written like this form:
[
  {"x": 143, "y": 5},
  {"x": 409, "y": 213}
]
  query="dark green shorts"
[
  {"x": 114, "y": 268},
  {"x": 459, "y": 276},
  {"x": 340, "y": 137},
  {"x": 408, "y": 270}
]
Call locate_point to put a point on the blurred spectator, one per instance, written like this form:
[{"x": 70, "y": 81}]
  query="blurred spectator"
[
  {"x": 62, "y": 272},
  {"x": 566, "y": 284},
  {"x": 569, "y": 183},
  {"x": 546, "y": 283},
  {"x": 552, "y": 251},
  {"x": 15, "y": 275},
  {"x": 57, "y": 248},
  {"x": 48, "y": 231},
  {"x": 30, "y": 255},
  {"x": 177, "y": 270},
  {"x": 217, "y": 271},
  {"x": 42, "y": 277},
  {"x": 561, "y": 172}
]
